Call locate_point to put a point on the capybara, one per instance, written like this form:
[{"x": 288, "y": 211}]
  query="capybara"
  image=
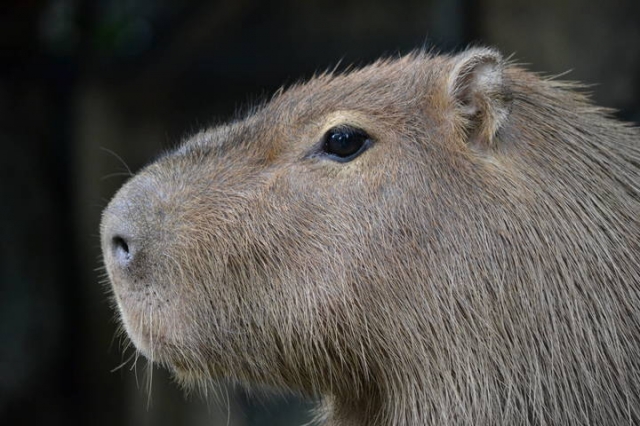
[{"x": 428, "y": 240}]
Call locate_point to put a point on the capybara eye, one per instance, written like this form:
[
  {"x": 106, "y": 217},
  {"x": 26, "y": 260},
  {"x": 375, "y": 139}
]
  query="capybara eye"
[{"x": 345, "y": 143}]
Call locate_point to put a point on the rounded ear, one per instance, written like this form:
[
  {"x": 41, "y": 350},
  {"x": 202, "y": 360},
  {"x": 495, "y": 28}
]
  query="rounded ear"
[{"x": 480, "y": 95}]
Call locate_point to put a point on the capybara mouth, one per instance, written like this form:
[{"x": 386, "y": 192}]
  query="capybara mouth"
[{"x": 146, "y": 335}]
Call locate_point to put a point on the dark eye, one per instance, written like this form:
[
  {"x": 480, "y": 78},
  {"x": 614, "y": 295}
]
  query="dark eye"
[{"x": 345, "y": 143}]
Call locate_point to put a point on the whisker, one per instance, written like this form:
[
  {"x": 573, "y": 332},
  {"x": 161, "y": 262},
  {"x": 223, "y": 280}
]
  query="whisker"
[
  {"x": 150, "y": 360},
  {"x": 119, "y": 158},
  {"x": 116, "y": 174},
  {"x": 123, "y": 363}
]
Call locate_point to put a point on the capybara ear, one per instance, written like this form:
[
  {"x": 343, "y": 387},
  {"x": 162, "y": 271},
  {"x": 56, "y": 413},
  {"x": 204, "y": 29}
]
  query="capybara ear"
[{"x": 481, "y": 98}]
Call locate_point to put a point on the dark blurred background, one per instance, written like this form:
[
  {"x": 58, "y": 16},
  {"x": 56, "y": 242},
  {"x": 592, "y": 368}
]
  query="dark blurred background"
[{"x": 81, "y": 79}]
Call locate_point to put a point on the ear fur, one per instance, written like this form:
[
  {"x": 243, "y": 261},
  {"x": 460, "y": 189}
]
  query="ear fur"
[{"x": 476, "y": 85}]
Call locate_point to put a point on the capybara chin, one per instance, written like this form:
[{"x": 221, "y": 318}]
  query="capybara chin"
[{"x": 429, "y": 240}]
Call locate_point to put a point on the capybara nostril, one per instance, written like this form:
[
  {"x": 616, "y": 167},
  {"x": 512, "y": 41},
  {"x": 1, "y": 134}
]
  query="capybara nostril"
[
  {"x": 128, "y": 255},
  {"x": 122, "y": 251}
]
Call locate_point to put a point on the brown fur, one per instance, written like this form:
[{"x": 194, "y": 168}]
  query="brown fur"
[{"x": 478, "y": 265}]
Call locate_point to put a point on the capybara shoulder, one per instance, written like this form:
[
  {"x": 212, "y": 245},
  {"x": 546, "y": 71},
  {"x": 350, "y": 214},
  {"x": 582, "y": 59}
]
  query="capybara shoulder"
[{"x": 427, "y": 240}]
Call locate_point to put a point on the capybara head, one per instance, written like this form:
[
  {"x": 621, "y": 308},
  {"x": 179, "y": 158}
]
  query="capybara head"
[{"x": 427, "y": 240}]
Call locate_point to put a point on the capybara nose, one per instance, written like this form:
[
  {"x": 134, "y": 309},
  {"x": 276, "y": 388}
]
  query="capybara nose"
[
  {"x": 122, "y": 250},
  {"x": 122, "y": 245},
  {"x": 124, "y": 242}
]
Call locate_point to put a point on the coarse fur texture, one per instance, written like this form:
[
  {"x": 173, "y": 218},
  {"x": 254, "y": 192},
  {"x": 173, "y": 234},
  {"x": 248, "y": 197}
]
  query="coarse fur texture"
[{"x": 477, "y": 265}]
